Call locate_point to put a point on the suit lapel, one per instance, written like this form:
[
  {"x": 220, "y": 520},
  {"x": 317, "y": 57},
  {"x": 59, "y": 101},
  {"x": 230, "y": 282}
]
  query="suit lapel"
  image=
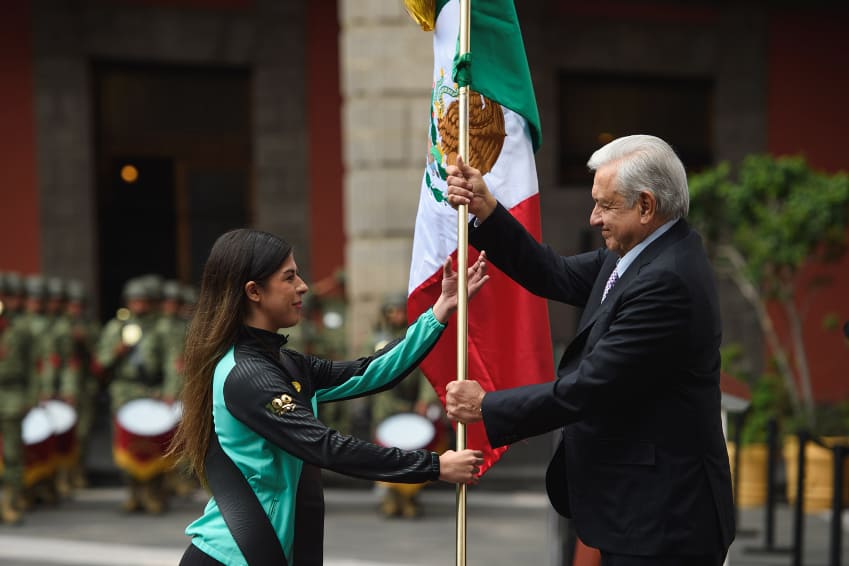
[
  {"x": 590, "y": 310},
  {"x": 594, "y": 300}
]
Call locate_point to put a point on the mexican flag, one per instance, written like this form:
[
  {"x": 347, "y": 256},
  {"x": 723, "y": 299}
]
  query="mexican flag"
[{"x": 509, "y": 335}]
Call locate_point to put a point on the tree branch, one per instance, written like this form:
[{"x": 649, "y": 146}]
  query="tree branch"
[
  {"x": 800, "y": 357},
  {"x": 754, "y": 297}
]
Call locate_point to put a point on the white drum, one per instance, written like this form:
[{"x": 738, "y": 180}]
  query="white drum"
[
  {"x": 39, "y": 446},
  {"x": 62, "y": 416},
  {"x": 36, "y": 428},
  {"x": 143, "y": 431},
  {"x": 146, "y": 417},
  {"x": 407, "y": 431},
  {"x": 177, "y": 409},
  {"x": 63, "y": 422}
]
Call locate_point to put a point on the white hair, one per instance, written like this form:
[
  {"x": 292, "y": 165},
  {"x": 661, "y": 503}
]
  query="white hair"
[{"x": 647, "y": 163}]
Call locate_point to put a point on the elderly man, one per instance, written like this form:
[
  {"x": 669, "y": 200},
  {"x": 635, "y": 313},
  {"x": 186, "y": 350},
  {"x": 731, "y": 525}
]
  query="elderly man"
[{"x": 642, "y": 467}]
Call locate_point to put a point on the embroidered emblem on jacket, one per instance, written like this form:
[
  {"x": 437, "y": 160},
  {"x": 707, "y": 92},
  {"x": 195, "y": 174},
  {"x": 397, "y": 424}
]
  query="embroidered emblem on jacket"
[{"x": 281, "y": 405}]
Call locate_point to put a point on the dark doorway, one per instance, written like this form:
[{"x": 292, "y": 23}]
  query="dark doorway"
[
  {"x": 186, "y": 133},
  {"x": 138, "y": 221},
  {"x": 216, "y": 195}
]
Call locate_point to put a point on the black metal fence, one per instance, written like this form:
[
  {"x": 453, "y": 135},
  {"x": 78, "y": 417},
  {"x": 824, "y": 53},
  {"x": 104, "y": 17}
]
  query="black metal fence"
[{"x": 796, "y": 549}]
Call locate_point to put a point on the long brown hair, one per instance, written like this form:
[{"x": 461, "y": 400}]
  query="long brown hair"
[{"x": 237, "y": 257}]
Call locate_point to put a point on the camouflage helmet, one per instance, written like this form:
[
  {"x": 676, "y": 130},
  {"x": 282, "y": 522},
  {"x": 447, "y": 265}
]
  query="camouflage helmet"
[
  {"x": 171, "y": 290},
  {"x": 189, "y": 294},
  {"x": 35, "y": 287},
  {"x": 13, "y": 283},
  {"x": 75, "y": 291},
  {"x": 154, "y": 283},
  {"x": 55, "y": 288},
  {"x": 394, "y": 300},
  {"x": 136, "y": 288}
]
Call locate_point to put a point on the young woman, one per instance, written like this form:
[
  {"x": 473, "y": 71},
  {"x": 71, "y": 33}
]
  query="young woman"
[{"x": 249, "y": 426}]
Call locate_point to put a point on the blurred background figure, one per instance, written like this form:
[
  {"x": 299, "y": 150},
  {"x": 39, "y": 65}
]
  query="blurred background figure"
[
  {"x": 15, "y": 344},
  {"x": 56, "y": 324},
  {"x": 189, "y": 298},
  {"x": 54, "y": 351},
  {"x": 126, "y": 350},
  {"x": 166, "y": 343},
  {"x": 40, "y": 460},
  {"x": 326, "y": 337},
  {"x": 414, "y": 401},
  {"x": 35, "y": 317},
  {"x": 80, "y": 385}
]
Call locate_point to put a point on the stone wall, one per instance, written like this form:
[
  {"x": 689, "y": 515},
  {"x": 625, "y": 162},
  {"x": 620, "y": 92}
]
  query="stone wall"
[{"x": 385, "y": 62}]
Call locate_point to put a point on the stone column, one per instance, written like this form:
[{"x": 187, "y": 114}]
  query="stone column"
[{"x": 386, "y": 63}]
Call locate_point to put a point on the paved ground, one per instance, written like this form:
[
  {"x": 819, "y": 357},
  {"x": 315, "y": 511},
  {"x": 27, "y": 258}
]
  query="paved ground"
[
  {"x": 504, "y": 527},
  {"x": 90, "y": 530},
  {"x": 749, "y": 547}
]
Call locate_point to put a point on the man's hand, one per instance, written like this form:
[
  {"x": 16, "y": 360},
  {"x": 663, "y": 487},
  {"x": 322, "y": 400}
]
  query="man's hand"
[
  {"x": 466, "y": 186},
  {"x": 463, "y": 400}
]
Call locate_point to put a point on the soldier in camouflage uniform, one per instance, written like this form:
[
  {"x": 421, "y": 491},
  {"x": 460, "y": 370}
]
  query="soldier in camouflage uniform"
[
  {"x": 34, "y": 315},
  {"x": 12, "y": 293},
  {"x": 52, "y": 359},
  {"x": 188, "y": 301},
  {"x": 413, "y": 395},
  {"x": 15, "y": 398},
  {"x": 75, "y": 338},
  {"x": 39, "y": 481},
  {"x": 168, "y": 339},
  {"x": 327, "y": 339},
  {"x": 124, "y": 352},
  {"x": 169, "y": 332}
]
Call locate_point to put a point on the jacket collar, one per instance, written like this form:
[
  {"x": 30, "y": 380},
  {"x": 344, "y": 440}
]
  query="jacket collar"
[{"x": 261, "y": 340}]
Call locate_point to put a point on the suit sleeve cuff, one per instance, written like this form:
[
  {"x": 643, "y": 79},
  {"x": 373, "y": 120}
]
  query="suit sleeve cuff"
[
  {"x": 493, "y": 435},
  {"x": 481, "y": 227}
]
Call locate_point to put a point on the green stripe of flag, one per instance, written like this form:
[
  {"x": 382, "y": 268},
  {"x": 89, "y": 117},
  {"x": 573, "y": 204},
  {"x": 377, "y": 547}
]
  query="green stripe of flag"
[{"x": 499, "y": 66}]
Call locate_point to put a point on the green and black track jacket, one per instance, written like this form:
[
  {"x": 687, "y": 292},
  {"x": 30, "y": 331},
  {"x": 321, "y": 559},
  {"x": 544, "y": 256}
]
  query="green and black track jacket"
[{"x": 265, "y": 419}]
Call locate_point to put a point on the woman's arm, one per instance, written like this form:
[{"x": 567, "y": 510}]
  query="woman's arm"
[
  {"x": 267, "y": 404},
  {"x": 334, "y": 381},
  {"x": 388, "y": 366}
]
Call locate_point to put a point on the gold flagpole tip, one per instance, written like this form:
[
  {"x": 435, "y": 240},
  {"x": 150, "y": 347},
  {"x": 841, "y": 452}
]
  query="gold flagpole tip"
[{"x": 423, "y": 12}]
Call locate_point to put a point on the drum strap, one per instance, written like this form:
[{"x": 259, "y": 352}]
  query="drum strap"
[{"x": 241, "y": 509}]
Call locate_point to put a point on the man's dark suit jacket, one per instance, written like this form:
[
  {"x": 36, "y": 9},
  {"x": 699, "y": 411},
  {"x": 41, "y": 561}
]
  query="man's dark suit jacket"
[{"x": 642, "y": 468}]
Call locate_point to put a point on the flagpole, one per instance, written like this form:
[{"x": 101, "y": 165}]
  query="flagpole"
[{"x": 462, "y": 280}]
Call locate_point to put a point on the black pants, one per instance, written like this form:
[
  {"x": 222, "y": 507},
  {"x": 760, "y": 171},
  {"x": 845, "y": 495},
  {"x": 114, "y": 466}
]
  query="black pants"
[
  {"x": 608, "y": 559},
  {"x": 196, "y": 557}
]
